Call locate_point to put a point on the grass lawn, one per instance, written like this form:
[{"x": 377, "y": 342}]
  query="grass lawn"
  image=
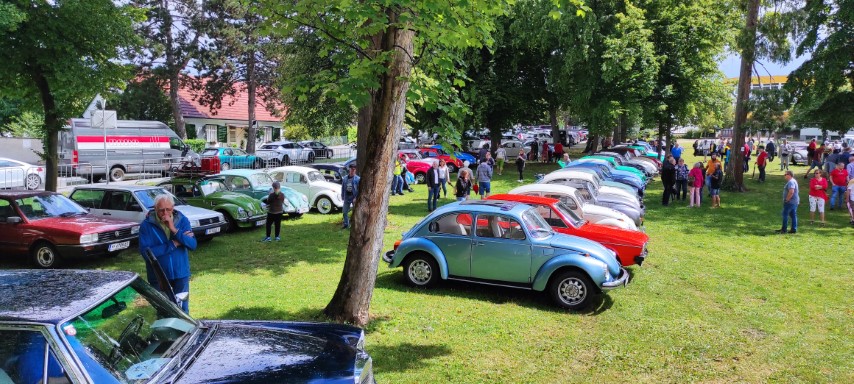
[{"x": 720, "y": 299}]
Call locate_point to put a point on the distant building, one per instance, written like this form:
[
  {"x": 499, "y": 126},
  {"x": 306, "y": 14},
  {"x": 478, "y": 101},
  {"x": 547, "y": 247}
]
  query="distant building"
[{"x": 761, "y": 82}]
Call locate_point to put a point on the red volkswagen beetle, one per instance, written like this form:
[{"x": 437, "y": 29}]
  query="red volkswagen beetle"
[
  {"x": 453, "y": 163},
  {"x": 629, "y": 245}
]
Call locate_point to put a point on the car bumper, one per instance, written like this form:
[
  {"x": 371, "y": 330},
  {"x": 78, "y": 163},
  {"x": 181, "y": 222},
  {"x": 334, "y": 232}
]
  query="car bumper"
[
  {"x": 96, "y": 249},
  {"x": 639, "y": 259},
  {"x": 210, "y": 230},
  {"x": 252, "y": 221},
  {"x": 621, "y": 281},
  {"x": 388, "y": 256}
]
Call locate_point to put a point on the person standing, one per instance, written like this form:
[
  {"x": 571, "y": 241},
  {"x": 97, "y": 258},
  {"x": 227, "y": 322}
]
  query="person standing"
[
  {"x": 695, "y": 181},
  {"x": 790, "y": 203},
  {"x": 444, "y": 176},
  {"x": 484, "y": 179},
  {"x": 397, "y": 180},
  {"x": 785, "y": 152},
  {"x": 839, "y": 179},
  {"x": 850, "y": 167},
  {"x": 559, "y": 150},
  {"x": 676, "y": 151},
  {"x": 432, "y": 187},
  {"x": 716, "y": 180},
  {"x": 551, "y": 152},
  {"x": 849, "y": 199},
  {"x": 818, "y": 195},
  {"x": 844, "y": 154},
  {"x": 710, "y": 169},
  {"x": 167, "y": 233},
  {"x": 534, "y": 150},
  {"x": 761, "y": 162},
  {"x": 463, "y": 188},
  {"x": 815, "y": 158},
  {"x": 484, "y": 149},
  {"x": 771, "y": 148},
  {"x": 275, "y": 210},
  {"x": 681, "y": 180},
  {"x": 544, "y": 156},
  {"x": 668, "y": 179},
  {"x": 564, "y": 162},
  {"x": 520, "y": 164},
  {"x": 501, "y": 157},
  {"x": 830, "y": 161},
  {"x": 350, "y": 191}
]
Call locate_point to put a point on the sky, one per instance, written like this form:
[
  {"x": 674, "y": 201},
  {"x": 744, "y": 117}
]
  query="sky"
[{"x": 730, "y": 66}]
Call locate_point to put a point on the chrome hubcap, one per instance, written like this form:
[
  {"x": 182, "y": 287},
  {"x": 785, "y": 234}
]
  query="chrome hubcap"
[
  {"x": 117, "y": 174},
  {"x": 420, "y": 272},
  {"x": 324, "y": 206},
  {"x": 226, "y": 167},
  {"x": 45, "y": 257},
  {"x": 33, "y": 181},
  {"x": 572, "y": 291}
]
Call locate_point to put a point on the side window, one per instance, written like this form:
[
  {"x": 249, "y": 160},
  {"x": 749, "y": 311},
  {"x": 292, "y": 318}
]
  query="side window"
[
  {"x": 302, "y": 179},
  {"x": 550, "y": 216},
  {"x": 4, "y": 164},
  {"x": 566, "y": 200},
  {"x": 501, "y": 227},
  {"x": 238, "y": 182},
  {"x": 23, "y": 353},
  {"x": 88, "y": 198},
  {"x": 176, "y": 143},
  {"x": 118, "y": 201},
  {"x": 278, "y": 176},
  {"x": 6, "y": 210},
  {"x": 227, "y": 152},
  {"x": 238, "y": 152},
  {"x": 453, "y": 224},
  {"x": 292, "y": 177}
]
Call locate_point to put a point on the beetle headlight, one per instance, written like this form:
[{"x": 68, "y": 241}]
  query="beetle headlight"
[
  {"x": 304, "y": 198},
  {"x": 242, "y": 212},
  {"x": 134, "y": 230},
  {"x": 89, "y": 238}
]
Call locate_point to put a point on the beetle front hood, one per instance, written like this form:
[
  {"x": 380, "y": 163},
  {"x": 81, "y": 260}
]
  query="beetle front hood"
[
  {"x": 195, "y": 213},
  {"x": 295, "y": 198},
  {"x": 240, "y": 199},
  {"x": 257, "y": 354},
  {"x": 590, "y": 247}
]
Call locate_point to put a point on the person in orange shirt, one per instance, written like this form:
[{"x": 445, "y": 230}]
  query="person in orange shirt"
[{"x": 710, "y": 169}]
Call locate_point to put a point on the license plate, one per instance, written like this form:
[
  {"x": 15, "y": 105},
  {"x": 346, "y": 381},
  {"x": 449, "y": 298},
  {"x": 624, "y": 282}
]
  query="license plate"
[
  {"x": 118, "y": 246},
  {"x": 210, "y": 231},
  {"x": 260, "y": 223}
]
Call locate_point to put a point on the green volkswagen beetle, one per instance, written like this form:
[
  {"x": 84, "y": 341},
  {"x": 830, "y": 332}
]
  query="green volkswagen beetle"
[
  {"x": 240, "y": 211},
  {"x": 258, "y": 184}
]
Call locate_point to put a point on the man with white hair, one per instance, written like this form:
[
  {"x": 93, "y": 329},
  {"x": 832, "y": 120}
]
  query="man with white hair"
[{"x": 168, "y": 235}]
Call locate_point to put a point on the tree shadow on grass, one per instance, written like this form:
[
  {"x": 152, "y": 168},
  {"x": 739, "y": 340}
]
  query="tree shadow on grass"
[
  {"x": 492, "y": 294},
  {"x": 405, "y": 356}
]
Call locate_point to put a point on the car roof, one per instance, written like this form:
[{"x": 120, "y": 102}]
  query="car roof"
[
  {"x": 23, "y": 194},
  {"x": 238, "y": 172},
  {"x": 120, "y": 187},
  {"x": 487, "y": 206},
  {"x": 555, "y": 188},
  {"x": 278, "y": 142},
  {"x": 53, "y": 295},
  {"x": 523, "y": 199},
  {"x": 295, "y": 168},
  {"x": 18, "y": 161}
]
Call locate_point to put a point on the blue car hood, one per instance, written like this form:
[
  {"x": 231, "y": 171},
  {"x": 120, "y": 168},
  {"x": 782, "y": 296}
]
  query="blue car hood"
[
  {"x": 583, "y": 245},
  {"x": 237, "y": 353},
  {"x": 294, "y": 197}
]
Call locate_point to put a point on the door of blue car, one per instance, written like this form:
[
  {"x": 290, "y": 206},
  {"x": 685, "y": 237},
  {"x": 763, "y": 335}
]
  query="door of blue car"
[
  {"x": 500, "y": 250},
  {"x": 452, "y": 234}
]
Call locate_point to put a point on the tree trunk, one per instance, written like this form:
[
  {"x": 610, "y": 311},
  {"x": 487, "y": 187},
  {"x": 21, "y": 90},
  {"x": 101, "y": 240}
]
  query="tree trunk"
[
  {"x": 668, "y": 133},
  {"x": 174, "y": 85},
  {"x": 52, "y": 125},
  {"x": 379, "y": 125},
  {"x": 592, "y": 144},
  {"x": 251, "y": 89},
  {"x": 748, "y": 51},
  {"x": 555, "y": 127},
  {"x": 624, "y": 128}
]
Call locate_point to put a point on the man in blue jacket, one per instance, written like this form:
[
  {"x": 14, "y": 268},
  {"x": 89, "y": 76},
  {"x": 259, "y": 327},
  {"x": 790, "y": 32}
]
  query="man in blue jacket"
[
  {"x": 349, "y": 192},
  {"x": 169, "y": 236}
]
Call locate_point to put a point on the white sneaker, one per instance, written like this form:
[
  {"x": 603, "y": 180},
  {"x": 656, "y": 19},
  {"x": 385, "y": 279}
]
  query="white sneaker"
[{"x": 519, "y": 181}]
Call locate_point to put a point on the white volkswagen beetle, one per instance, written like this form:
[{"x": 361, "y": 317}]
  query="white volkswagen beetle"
[
  {"x": 578, "y": 203},
  {"x": 322, "y": 194}
]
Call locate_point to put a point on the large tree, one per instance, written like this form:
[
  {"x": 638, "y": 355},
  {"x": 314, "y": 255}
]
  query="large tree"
[
  {"x": 171, "y": 34},
  {"x": 59, "y": 54},
  {"x": 381, "y": 45},
  {"x": 238, "y": 56}
]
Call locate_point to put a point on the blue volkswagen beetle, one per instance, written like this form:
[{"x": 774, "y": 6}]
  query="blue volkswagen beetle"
[
  {"x": 508, "y": 244},
  {"x": 66, "y": 326}
]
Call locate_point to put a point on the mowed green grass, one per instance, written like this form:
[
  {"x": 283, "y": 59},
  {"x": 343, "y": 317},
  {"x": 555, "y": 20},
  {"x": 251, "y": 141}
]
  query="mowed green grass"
[{"x": 720, "y": 299}]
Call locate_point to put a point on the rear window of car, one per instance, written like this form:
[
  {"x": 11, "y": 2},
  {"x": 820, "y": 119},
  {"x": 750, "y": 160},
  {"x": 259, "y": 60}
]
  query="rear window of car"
[
  {"x": 270, "y": 146},
  {"x": 452, "y": 224}
]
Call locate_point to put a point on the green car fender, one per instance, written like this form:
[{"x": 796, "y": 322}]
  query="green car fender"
[
  {"x": 230, "y": 209},
  {"x": 594, "y": 268},
  {"x": 420, "y": 244}
]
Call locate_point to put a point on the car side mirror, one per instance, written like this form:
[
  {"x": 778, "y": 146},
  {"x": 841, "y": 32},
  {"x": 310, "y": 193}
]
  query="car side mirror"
[{"x": 13, "y": 220}]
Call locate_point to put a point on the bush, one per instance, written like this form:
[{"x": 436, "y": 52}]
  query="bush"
[
  {"x": 197, "y": 145},
  {"x": 352, "y": 134},
  {"x": 296, "y": 132}
]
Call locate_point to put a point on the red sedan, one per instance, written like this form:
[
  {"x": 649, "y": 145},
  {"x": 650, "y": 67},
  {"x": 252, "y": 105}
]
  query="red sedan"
[
  {"x": 417, "y": 168},
  {"x": 629, "y": 245},
  {"x": 49, "y": 226},
  {"x": 453, "y": 163}
]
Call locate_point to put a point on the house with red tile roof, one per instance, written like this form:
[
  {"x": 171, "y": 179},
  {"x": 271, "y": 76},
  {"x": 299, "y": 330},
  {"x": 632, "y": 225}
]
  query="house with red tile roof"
[{"x": 229, "y": 124}]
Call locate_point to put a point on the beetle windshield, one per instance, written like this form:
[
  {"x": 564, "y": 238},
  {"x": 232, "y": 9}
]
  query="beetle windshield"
[
  {"x": 536, "y": 225},
  {"x": 41, "y": 207},
  {"x": 147, "y": 196},
  {"x": 569, "y": 214},
  {"x": 212, "y": 186},
  {"x": 316, "y": 176},
  {"x": 261, "y": 179},
  {"x": 130, "y": 336},
  {"x": 210, "y": 152}
]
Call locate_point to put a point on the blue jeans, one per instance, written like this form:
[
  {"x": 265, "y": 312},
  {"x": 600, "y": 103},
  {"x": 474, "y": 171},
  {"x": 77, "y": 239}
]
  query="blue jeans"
[
  {"x": 790, "y": 210},
  {"x": 432, "y": 197},
  {"x": 442, "y": 182},
  {"x": 837, "y": 190},
  {"x": 397, "y": 184},
  {"x": 709, "y": 184},
  {"x": 346, "y": 210}
]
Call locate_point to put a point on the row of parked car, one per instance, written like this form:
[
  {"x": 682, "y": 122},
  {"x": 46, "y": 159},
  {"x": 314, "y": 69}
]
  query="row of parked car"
[{"x": 570, "y": 235}]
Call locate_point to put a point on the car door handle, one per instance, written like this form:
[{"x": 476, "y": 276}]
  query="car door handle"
[
  {"x": 479, "y": 243},
  {"x": 107, "y": 214}
]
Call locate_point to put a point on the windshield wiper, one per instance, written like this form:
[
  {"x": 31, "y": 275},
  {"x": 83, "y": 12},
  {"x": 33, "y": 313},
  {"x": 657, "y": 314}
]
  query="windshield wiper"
[{"x": 69, "y": 214}]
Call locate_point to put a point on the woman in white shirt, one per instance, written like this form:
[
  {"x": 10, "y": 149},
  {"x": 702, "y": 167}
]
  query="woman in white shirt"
[{"x": 444, "y": 176}]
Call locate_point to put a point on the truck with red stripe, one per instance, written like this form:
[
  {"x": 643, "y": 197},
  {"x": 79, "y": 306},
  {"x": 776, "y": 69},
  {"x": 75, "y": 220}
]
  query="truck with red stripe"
[{"x": 131, "y": 146}]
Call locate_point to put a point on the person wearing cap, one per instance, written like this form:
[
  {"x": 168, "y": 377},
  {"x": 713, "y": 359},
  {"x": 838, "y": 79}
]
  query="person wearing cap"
[
  {"x": 275, "y": 210},
  {"x": 349, "y": 192}
]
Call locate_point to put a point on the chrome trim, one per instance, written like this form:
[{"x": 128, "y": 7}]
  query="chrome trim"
[
  {"x": 623, "y": 280},
  {"x": 492, "y": 284}
]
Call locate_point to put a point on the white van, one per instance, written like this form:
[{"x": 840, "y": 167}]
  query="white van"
[{"x": 133, "y": 146}]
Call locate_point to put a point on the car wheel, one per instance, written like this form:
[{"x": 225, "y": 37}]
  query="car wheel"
[
  {"x": 117, "y": 173},
  {"x": 329, "y": 154},
  {"x": 232, "y": 223},
  {"x": 452, "y": 168},
  {"x": 571, "y": 290},
  {"x": 421, "y": 178},
  {"x": 421, "y": 270},
  {"x": 324, "y": 205},
  {"x": 225, "y": 166},
  {"x": 295, "y": 215},
  {"x": 33, "y": 181},
  {"x": 44, "y": 255}
]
